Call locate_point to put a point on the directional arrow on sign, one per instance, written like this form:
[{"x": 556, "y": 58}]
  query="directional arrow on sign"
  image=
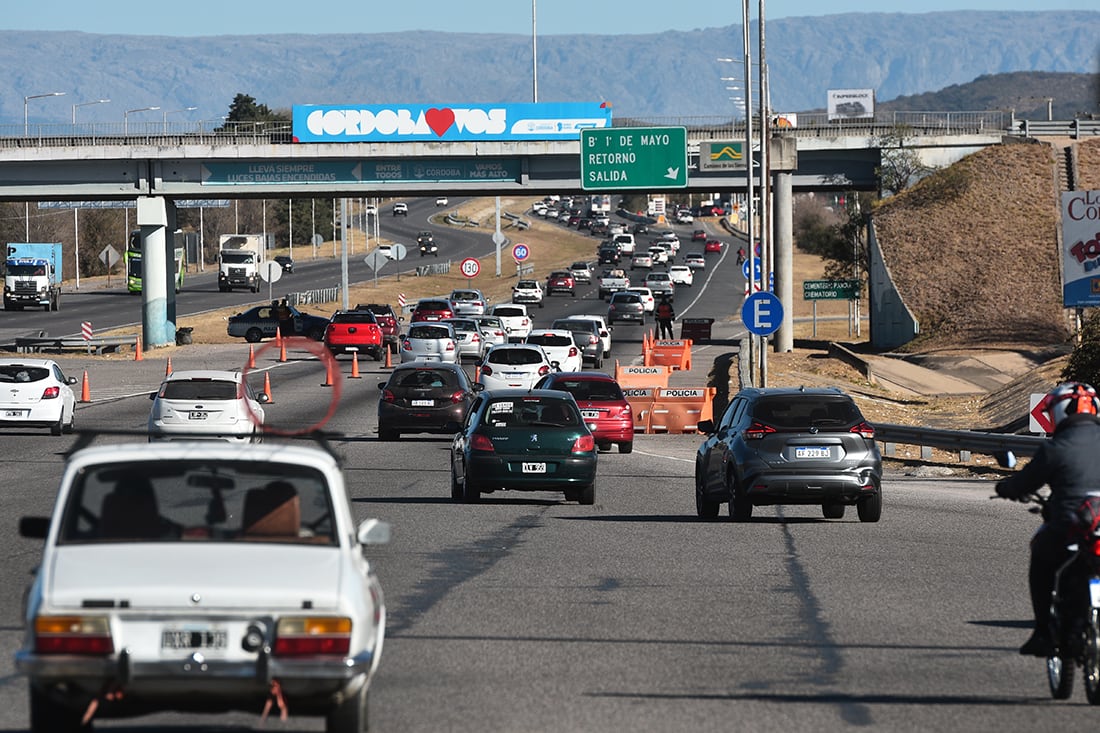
[
  {"x": 673, "y": 174},
  {"x": 1039, "y": 422}
]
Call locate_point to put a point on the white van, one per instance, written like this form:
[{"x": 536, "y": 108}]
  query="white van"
[{"x": 625, "y": 242}]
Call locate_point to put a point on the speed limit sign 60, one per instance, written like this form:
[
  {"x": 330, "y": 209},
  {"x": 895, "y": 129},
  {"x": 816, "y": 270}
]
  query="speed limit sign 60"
[{"x": 470, "y": 267}]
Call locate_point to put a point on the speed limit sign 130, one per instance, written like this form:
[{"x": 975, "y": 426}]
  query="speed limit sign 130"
[{"x": 470, "y": 267}]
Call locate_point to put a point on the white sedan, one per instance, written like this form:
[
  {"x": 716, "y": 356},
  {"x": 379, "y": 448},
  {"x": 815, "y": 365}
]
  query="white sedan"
[
  {"x": 35, "y": 393},
  {"x": 514, "y": 366},
  {"x": 204, "y": 577},
  {"x": 207, "y": 403},
  {"x": 682, "y": 275}
]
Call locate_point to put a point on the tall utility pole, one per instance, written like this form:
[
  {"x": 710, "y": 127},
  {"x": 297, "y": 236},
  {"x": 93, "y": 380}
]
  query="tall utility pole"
[
  {"x": 749, "y": 226},
  {"x": 534, "y": 54},
  {"x": 765, "y": 190}
]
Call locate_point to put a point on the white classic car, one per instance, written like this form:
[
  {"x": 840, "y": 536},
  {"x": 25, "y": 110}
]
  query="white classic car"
[{"x": 202, "y": 577}]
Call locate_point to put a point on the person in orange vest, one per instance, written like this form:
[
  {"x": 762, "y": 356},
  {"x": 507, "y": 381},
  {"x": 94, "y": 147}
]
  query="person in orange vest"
[{"x": 665, "y": 316}]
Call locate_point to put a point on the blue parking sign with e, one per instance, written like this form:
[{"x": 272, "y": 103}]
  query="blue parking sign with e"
[
  {"x": 755, "y": 262},
  {"x": 762, "y": 313}
]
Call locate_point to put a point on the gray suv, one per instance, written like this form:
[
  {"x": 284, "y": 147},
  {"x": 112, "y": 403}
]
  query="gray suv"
[
  {"x": 586, "y": 335},
  {"x": 789, "y": 445}
]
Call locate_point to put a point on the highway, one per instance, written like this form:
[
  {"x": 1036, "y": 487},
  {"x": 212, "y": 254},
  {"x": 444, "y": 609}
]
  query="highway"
[{"x": 525, "y": 613}]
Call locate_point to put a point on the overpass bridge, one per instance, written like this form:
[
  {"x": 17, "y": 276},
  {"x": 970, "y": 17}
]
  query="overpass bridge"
[{"x": 156, "y": 164}]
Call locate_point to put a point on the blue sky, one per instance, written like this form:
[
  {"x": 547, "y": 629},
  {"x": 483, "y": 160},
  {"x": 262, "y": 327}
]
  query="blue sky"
[{"x": 554, "y": 17}]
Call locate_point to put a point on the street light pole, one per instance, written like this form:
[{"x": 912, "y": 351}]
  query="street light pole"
[
  {"x": 174, "y": 111},
  {"x": 126, "y": 117},
  {"x": 534, "y": 55},
  {"x": 85, "y": 104},
  {"x": 26, "y": 133}
]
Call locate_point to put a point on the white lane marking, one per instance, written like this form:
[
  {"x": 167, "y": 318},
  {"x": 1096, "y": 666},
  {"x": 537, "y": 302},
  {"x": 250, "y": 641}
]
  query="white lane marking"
[
  {"x": 661, "y": 455},
  {"x": 713, "y": 272}
]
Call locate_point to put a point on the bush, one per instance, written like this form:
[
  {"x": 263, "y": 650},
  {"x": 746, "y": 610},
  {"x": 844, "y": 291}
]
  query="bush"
[{"x": 1084, "y": 362}]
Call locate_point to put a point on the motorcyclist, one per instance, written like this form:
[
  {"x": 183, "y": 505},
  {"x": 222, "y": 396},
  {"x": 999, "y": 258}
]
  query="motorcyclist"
[{"x": 1070, "y": 464}]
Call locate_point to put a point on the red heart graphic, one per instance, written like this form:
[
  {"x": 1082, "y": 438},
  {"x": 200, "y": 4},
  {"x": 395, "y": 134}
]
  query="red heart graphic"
[{"x": 439, "y": 120}]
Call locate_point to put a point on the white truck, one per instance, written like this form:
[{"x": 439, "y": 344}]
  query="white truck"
[
  {"x": 240, "y": 257},
  {"x": 32, "y": 275},
  {"x": 612, "y": 280}
]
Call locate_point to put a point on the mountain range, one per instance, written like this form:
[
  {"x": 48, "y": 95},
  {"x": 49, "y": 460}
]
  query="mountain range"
[{"x": 663, "y": 76}]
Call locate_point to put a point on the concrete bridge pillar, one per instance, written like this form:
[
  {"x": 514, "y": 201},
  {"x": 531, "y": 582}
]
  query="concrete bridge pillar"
[
  {"x": 783, "y": 247},
  {"x": 156, "y": 217}
]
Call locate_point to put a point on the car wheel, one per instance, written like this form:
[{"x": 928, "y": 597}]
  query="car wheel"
[
  {"x": 597, "y": 363},
  {"x": 456, "y": 488},
  {"x": 317, "y": 334},
  {"x": 626, "y": 447},
  {"x": 51, "y": 717},
  {"x": 704, "y": 507},
  {"x": 58, "y": 426},
  {"x": 70, "y": 426},
  {"x": 833, "y": 511},
  {"x": 253, "y": 335},
  {"x": 740, "y": 506},
  {"x": 603, "y": 447},
  {"x": 869, "y": 508},
  {"x": 587, "y": 495},
  {"x": 470, "y": 493},
  {"x": 349, "y": 716},
  {"x": 388, "y": 435}
]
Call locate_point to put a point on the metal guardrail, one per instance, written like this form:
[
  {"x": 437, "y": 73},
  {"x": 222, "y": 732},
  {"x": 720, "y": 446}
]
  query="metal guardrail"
[
  {"x": 1075, "y": 129},
  {"x": 101, "y": 345},
  {"x": 318, "y": 295},
  {"x": 963, "y": 442}
]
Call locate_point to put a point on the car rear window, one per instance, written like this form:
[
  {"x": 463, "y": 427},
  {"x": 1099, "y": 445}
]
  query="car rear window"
[
  {"x": 199, "y": 389},
  {"x": 462, "y": 325},
  {"x": 429, "y": 332},
  {"x": 805, "y": 411},
  {"x": 527, "y": 284},
  {"x": 465, "y": 295},
  {"x": 590, "y": 389},
  {"x": 507, "y": 312},
  {"x": 356, "y": 317},
  {"x": 19, "y": 373},
  {"x": 627, "y": 298},
  {"x": 528, "y": 411},
  {"x": 515, "y": 357},
  {"x": 424, "y": 378},
  {"x": 199, "y": 500},
  {"x": 550, "y": 339},
  {"x": 433, "y": 305}
]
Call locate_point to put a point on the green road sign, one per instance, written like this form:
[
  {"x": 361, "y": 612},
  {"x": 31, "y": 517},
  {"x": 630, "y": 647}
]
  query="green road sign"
[
  {"x": 830, "y": 289},
  {"x": 622, "y": 158}
]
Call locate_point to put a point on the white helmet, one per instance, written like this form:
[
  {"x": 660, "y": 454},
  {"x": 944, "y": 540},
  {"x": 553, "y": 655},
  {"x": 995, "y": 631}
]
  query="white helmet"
[{"x": 1070, "y": 398}]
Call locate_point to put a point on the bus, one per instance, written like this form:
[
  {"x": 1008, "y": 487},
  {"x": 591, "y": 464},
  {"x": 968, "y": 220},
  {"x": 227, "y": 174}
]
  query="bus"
[{"x": 132, "y": 259}]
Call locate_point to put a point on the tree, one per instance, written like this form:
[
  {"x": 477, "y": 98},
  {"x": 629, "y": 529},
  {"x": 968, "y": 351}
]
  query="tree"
[
  {"x": 901, "y": 165},
  {"x": 839, "y": 240},
  {"x": 1084, "y": 363}
]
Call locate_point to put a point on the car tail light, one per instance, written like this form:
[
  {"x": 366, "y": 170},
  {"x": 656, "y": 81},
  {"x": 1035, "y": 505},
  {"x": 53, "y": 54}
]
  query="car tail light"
[
  {"x": 864, "y": 429},
  {"x": 592, "y": 340},
  {"x": 525, "y": 322},
  {"x": 388, "y": 396},
  {"x": 584, "y": 444},
  {"x": 89, "y": 635},
  {"x": 51, "y": 393},
  {"x": 311, "y": 636},
  {"x": 486, "y": 370},
  {"x": 611, "y": 307},
  {"x": 572, "y": 350},
  {"x": 458, "y": 396},
  {"x": 482, "y": 443},
  {"x": 450, "y": 346},
  {"x": 475, "y": 339},
  {"x": 544, "y": 370},
  {"x": 757, "y": 430}
]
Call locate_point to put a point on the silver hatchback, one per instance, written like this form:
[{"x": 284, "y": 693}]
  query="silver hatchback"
[{"x": 433, "y": 341}]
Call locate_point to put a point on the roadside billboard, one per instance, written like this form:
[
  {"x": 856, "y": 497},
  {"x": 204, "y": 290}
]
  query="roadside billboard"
[
  {"x": 447, "y": 122},
  {"x": 850, "y": 104},
  {"x": 1081, "y": 254}
]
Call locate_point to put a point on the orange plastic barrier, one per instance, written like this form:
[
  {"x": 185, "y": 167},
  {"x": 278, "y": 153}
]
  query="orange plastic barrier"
[
  {"x": 675, "y": 354},
  {"x": 641, "y": 402},
  {"x": 680, "y": 410},
  {"x": 641, "y": 376}
]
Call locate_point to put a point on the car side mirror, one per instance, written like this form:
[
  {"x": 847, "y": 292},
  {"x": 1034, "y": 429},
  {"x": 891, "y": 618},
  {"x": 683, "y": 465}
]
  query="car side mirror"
[
  {"x": 479, "y": 362},
  {"x": 706, "y": 427},
  {"x": 1007, "y": 459},
  {"x": 381, "y": 385},
  {"x": 152, "y": 395},
  {"x": 35, "y": 528},
  {"x": 263, "y": 398},
  {"x": 373, "y": 532},
  {"x": 452, "y": 426},
  {"x": 70, "y": 380},
  {"x": 478, "y": 386}
]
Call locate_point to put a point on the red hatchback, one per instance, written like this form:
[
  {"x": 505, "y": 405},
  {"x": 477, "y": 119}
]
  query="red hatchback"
[
  {"x": 353, "y": 332},
  {"x": 603, "y": 407},
  {"x": 712, "y": 245},
  {"x": 561, "y": 281},
  {"x": 432, "y": 309}
]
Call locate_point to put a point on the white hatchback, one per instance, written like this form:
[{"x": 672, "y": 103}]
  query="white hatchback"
[
  {"x": 560, "y": 348},
  {"x": 516, "y": 366},
  {"x": 434, "y": 341},
  {"x": 517, "y": 323},
  {"x": 35, "y": 393},
  {"x": 681, "y": 275},
  {"x": 201, "y": 578},
  {"x": 206, "y": 403}
]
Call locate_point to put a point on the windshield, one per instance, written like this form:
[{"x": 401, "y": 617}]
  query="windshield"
[
  {"x": 199, "y": 501},
  {"x": 515, "y": 357},
  {"x": 238, "y": 258},
  {"x": 26, "y": 270},
  {"x": 429, "y": 332},
  {"x": 199, "y": 389}
]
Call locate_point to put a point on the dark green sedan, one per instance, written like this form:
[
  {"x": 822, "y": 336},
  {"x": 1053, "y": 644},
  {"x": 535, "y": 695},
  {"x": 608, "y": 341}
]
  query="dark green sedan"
[{"x": 524, "y": 440}]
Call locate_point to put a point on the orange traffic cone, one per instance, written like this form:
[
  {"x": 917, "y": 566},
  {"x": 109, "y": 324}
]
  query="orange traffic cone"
[
  {"x": 328, "y": 373},
  {"x": 282, "y": 351},
  {"x": 355, "y": 365},
  {"x": 137, "y": 350},
  {"x": 168, "y": 368},
  {"x": 389, "y": 359},
  {"x": 251, "y": 357},
  {"x": 85, "y": 389},
  {"x": 267, "y": 387}
]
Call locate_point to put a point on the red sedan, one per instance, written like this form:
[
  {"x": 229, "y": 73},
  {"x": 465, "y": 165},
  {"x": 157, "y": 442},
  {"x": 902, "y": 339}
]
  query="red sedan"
[
  {"x": 603, "y": 407},
  {"x": 712, "y": 245},
  {"x": 561, "y": 281}
]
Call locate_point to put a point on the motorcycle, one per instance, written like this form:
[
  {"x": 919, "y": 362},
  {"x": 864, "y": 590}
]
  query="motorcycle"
[{"x": 1075, "y": 604}]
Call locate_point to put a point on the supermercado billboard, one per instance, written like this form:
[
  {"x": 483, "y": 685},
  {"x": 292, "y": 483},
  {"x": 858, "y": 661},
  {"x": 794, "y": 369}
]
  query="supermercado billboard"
[
  {"x": 1081, "y": 255},
  {"x": 452, "y": 123}
]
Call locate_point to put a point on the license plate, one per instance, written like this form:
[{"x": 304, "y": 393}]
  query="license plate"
[
  {"x": 423, "y": 403},
  {"x": 193, "y": 415},
  {"x": 534, "y": 468},
  {"x": 590, "y": 414},
  {"x": 811, "y": 452},
  {"x": 198, "y": 638},
  {"x": 14, "y": 413}
]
